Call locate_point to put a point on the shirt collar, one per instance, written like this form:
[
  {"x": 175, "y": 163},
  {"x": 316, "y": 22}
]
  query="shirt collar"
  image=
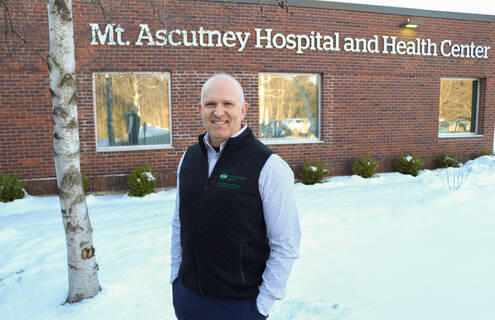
[{"x": 222, "y": 144}]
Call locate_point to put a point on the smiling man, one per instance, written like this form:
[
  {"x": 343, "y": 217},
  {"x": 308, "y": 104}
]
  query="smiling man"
[
  {"x": 235, "y": 230},
  {"x": 222, "y": 108}
]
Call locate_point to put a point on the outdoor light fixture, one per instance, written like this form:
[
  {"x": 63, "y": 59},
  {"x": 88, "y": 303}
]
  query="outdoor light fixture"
[{"x": 410, "y": 24}]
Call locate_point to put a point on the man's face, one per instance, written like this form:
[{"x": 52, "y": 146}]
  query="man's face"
[{"x": 222, "y": 111}]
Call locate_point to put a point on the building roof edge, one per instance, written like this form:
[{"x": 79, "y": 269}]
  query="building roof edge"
[{"x": 318, "y": 4}]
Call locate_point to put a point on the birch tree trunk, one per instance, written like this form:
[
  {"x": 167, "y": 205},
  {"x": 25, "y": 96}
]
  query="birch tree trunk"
[{"x": 82, "y": 267}]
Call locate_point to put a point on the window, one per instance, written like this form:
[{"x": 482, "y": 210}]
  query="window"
[
  {"x": 132, "y": 111},
  {"x": 458, "y": 107},
  {"x": 289, "y": 107}
]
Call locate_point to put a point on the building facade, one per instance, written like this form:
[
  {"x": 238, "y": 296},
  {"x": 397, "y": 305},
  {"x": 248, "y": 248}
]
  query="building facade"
[{"x": 325, "y": 82}]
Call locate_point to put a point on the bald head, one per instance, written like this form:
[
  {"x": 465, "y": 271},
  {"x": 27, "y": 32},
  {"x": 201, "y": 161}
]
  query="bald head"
[
  {"x": 222, "y": 76},
  {"x": 222, "y": 108}
]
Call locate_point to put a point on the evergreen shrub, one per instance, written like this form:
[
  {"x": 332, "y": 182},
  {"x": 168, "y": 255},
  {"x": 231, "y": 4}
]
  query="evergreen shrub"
[
  {"x": 409, "y": 164},
  {"x": 365, "y": 166},
  {"x": 312, "y": 172},
  {"x": 142, "y": 181},
  {"x": 85, "y": 182},
  {"x": 11, "y": 188},
  {"x": 446, "y": 160}
]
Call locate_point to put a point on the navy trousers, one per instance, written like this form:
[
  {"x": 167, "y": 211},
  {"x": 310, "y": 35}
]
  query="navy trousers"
[{"x": 190, "y": 306}]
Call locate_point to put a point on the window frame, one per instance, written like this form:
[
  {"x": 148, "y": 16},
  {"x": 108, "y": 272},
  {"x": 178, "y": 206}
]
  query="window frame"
[
  {"x": 133, "y": 147},
  {"x": 477, "y": 109},
  {"x": 274, "y": 141}
]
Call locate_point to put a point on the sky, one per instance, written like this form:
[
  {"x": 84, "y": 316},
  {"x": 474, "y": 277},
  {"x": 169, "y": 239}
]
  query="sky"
[{"x": 479, "y": 7}]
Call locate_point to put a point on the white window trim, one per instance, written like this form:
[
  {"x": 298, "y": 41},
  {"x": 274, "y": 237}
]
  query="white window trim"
[
  {"x": 135, "y": 147},
  {"x": 296, "y": 140},
  {"x": 475, "y": 134},
  {"x": 290, "y": 141},
  {"x": 459, "y": 135}
]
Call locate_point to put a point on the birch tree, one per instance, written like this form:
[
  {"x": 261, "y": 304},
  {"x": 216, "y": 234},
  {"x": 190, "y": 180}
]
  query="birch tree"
[{"x": 82, "y": 266}]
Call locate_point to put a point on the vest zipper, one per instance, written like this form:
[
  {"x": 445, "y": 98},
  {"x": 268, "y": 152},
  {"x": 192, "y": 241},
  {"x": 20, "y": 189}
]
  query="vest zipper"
[
  {"x": 197, "y": 242},
  {"x": 199, "y": 273},
  {"x": 243, "y": 276},
  {"x": 205, "y": 190}
]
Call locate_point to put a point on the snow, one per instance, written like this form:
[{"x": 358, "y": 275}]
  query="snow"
[
  {"x": 152, "y": 131},
  {"x": 408, "y": 158},
  {"x": 386, "y": 248},
  {"x": 149, "y": 176}
]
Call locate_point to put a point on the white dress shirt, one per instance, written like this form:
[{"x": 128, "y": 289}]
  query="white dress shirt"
[{"x": 276, "y": 186}]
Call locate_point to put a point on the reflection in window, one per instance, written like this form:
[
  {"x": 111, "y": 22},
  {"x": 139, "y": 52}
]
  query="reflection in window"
[
  {"x": 289, "y": 106},
  {"x": 458, "y": 106},
  {"x": 132, "y": 109}
]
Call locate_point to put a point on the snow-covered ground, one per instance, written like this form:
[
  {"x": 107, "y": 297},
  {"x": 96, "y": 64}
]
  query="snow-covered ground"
[{"x": 392, "y": 247}]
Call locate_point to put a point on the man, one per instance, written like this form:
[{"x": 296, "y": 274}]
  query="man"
[{"x": 235, "y": 230}]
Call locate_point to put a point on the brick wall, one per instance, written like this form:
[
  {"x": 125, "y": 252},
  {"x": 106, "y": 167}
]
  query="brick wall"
[{"x": 371, "y": 104}]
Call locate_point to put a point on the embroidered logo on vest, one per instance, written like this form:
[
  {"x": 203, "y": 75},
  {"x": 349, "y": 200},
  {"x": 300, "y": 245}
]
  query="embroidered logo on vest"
[{"x": 230, "y": 181}]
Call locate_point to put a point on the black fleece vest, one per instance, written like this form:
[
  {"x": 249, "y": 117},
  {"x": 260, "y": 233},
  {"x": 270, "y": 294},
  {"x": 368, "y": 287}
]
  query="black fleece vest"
[{"x": 223, "y": 231}]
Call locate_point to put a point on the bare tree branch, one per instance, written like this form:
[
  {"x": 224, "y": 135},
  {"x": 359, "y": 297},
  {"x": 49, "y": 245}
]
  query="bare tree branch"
[
  {"x": 100, "y": 5},
  {"x": 12, "y": 9}
]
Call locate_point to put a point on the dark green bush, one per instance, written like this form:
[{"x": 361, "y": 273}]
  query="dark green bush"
[
  {"x": 365, "y": 167},
  {"x": 446, "y": 160},
  {"x": 142, "y": 181},
  {"x": 311, "y": 173},
  {"x": 85, "y": 182},
  {"x": 11, "y": 188},
  {"x": 409, "y": 164}
]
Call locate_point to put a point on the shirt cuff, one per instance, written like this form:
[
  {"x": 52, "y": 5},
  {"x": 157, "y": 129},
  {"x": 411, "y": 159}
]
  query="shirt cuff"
[
  {"x": 264, "y": 303},
  {"x": 173, "y": 275}
]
